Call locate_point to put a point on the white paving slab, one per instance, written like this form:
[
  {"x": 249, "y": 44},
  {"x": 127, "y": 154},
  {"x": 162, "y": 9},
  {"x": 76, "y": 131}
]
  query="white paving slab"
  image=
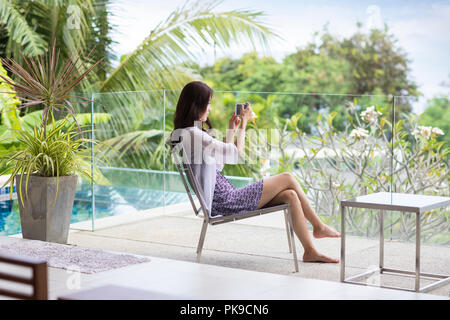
[{"x": 199, "y": 281}]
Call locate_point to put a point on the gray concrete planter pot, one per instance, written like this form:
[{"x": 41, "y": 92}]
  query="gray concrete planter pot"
[{"x": 42, "y": 218}]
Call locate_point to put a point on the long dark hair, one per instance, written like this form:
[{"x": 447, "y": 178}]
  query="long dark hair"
[{"x": 192, "y": 103}]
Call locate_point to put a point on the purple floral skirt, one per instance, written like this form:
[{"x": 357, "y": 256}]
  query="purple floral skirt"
[{"x": 229, "y": 200}]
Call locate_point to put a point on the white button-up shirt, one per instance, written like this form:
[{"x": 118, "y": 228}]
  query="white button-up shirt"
[{"x": 206, "y": 155}]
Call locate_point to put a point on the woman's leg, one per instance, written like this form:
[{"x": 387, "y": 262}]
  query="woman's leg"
[
  {"x": 272, "y": 186},
  {"x": 299, "y": 225}
]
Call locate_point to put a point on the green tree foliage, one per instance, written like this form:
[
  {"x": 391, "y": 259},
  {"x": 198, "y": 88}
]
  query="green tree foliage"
[
  {"x": 160, "y": 61},
  {"x": 437, "y": 114},
  {"x": 249, "y": 73},
  {"x": 77, "y": 26},
  {"x": 313, "y": 73},
  {"x": 378, "y": 63},
  {"x": 363, "y": 64}
]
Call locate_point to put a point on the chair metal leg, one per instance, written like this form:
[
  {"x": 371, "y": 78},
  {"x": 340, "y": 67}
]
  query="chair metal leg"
[
  {"x": 201, "y": 240},
  {"x": 291, "y": 230},
  {"x": 287, "y": 230}
]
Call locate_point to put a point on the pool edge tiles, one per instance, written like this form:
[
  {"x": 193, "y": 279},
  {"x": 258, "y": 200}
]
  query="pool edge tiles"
[{"x": 130, "y": 217}]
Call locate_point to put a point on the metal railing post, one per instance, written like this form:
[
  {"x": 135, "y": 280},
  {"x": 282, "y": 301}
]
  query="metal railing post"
[
  {"x": 164, "y": 150},
  {"x": 92, "y": 163}
]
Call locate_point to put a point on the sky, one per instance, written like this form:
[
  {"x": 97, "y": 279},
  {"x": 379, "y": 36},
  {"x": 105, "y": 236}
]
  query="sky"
[{"x": 421, "y": 27}]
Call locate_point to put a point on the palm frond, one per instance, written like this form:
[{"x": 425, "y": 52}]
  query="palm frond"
[
  {"x": 129, "y": 111},
  {"x": 76, "y": 25},
  {"x": 176, "y": 40},
  {"x": 20, "y": 31},
  {"x": 135, "y": 140}
]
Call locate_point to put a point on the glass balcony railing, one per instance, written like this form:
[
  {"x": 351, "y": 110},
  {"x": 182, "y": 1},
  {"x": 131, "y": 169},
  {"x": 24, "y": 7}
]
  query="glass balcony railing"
[{"x": 337, "y": 146}]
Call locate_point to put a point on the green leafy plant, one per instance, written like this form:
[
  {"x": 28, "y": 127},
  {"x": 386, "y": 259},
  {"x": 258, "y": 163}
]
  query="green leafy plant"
[
  {"x": 60, "y": 151},
  {"x": 41, "y": 81},
  {"x": 372, "y": 154}
]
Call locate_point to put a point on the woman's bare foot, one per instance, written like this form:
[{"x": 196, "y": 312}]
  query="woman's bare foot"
[
  {"x": 314, "y": 256},
  {"x": 325, "y": 231}
]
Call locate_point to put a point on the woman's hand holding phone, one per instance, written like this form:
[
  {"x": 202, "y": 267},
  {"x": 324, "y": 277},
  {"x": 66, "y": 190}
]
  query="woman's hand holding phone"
[
  {"x": 246, "y": 114},
  {"x": 234, "y": 122}
]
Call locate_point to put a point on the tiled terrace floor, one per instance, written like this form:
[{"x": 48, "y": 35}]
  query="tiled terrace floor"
[
  {"x": 241, "y": 260},
  {"x": 260, "y": 244}
]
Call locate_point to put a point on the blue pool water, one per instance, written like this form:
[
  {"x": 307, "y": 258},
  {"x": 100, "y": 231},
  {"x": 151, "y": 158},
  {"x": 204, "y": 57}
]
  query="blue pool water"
[{"x": 109, "y": 201}]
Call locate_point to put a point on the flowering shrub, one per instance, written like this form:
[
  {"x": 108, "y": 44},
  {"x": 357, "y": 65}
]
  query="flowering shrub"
[
  {"x": 370, "y": 115},
  {"x": 427, "y": 132},
  {"x": 370, "y": 155},
  {"x": 359, "y": 133}
]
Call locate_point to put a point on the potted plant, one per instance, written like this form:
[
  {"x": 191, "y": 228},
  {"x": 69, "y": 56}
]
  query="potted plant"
[{"x": 46, "y": 166}]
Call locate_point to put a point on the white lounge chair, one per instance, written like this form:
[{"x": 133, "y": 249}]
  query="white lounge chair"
[{"x": 189, "y": 180}]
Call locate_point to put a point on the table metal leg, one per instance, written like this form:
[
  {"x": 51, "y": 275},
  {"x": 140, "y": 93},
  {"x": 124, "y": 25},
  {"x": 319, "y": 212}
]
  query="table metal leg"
[
  {"x": 342, "y": 243},
  {"x": 441, "y": 279},
  {"x": 417, "y": 286},
  {"x": 381, "y": 240}
]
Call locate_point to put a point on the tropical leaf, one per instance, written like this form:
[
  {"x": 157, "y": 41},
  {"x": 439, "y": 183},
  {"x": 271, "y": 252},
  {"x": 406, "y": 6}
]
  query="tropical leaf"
[
  {"x": 84, "y": 119},
  {"x": 53, "y": 154},
  {"x": 32, "y": 119},
  {"x": 41, "y": 81},
  {"x": 178, "y": 39},
  {"x": 161, "y": 61},
  {"x": 8, "y": 102},
  {"x": 76, "y": 25},
  {"x": 20, "y": 31},
  {"x": 135, "y": 140}
]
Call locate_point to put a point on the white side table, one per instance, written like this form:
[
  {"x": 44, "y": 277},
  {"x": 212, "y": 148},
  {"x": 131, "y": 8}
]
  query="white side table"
[{"x": 394, "y": 202}]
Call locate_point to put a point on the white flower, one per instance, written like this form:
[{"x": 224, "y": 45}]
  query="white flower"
[
  {"x": 359, "y": 133},
  {"x": 427, "y": 132},
  {"x": 437, "y": 132},
  {"x": 370, "y": 115},
  {"x": 422, "y": 132}
]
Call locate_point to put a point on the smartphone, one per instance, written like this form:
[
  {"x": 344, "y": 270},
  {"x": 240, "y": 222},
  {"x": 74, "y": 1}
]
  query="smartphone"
[{"x": 239, "y": 107}]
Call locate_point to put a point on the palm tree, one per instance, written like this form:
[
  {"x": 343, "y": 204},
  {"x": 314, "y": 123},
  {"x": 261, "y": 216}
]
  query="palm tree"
[
  {"x": 175, "y": 40},
  {"x": 160, "y": 61},
  {"x": 28, "y": 28}
]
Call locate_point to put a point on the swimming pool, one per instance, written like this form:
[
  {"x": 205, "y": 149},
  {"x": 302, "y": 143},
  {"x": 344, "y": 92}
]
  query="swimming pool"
[
  {"x": 109, "y": 201},
  {"x": 131, "y": 190}
]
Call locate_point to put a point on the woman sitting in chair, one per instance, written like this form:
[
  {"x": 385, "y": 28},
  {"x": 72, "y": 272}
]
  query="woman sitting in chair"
[{"x": 208, "y": 156}]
